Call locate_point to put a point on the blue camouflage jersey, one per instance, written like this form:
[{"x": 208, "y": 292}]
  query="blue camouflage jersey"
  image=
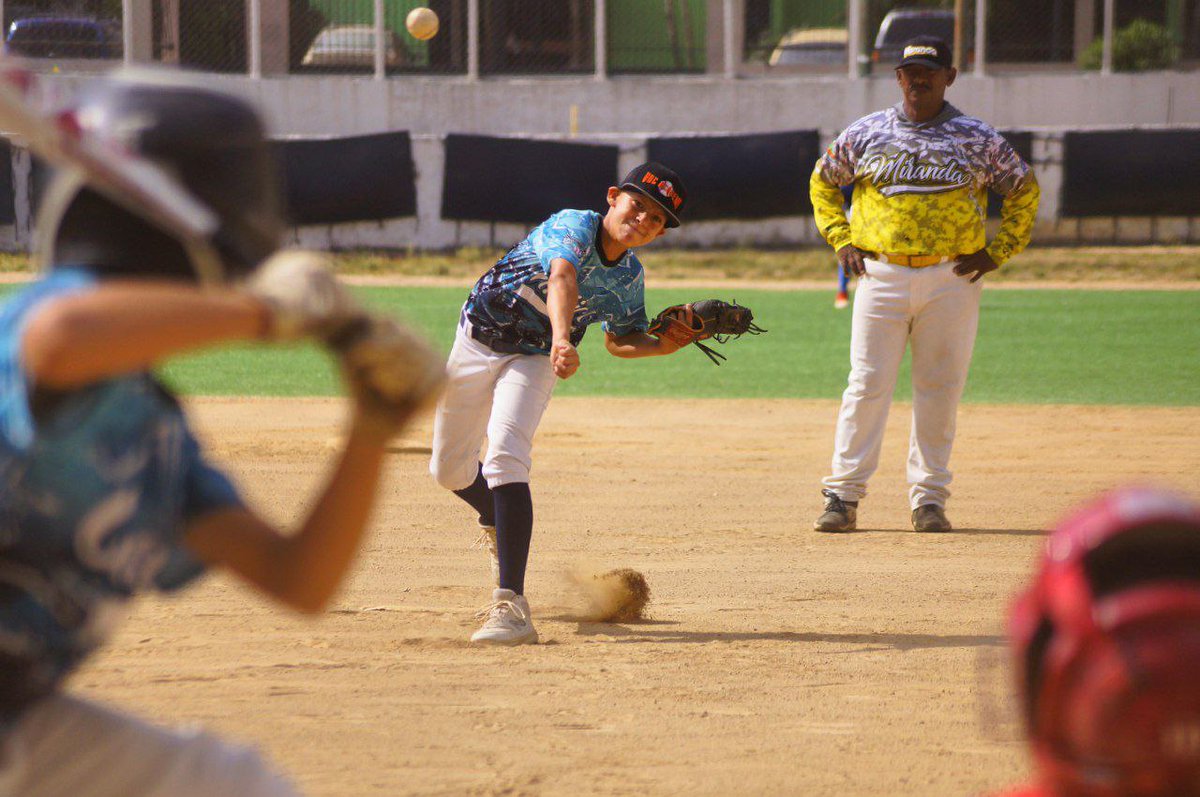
[
  {"x": 96, "y": 488},
  {"x": 507, "y": 306}
]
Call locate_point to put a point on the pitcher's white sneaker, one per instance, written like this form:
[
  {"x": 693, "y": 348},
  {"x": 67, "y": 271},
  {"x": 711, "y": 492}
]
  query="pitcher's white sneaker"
[
  {"x": 506, "y": 621},
  {"x": 487, "y": 539}
]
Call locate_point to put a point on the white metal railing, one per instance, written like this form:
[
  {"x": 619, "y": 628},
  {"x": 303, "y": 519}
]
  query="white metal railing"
[
  {"x": 733, "y": 12},
  {"x": 1106, "y": 59},
  {"x": 137, "y": 30}
]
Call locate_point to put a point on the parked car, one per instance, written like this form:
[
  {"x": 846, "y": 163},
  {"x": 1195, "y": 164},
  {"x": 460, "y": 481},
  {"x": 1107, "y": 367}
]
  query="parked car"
[
  {"x": 902, "y": 24},
  {"x": 811, "y": 47},
  {"x": 353, "y": 46},
  {"x": 64, "y": 37}
]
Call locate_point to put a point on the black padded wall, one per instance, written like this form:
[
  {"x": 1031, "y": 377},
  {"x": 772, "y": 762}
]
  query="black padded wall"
[
  {"x": 1131, "y": 173},
  {"x": 742, "y": 177},
  {"x": 357, "y": 178},
  {"x": 40, "y": 175},
  {"x": 521, "y": 180},
  {"x": 8, "y": 189},
  {"x": 1022, "y": 142}
]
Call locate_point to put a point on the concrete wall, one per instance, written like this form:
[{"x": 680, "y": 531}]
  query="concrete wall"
[
  {"x": 343, "y": 105},
  {"x": 626, "y": 110}
]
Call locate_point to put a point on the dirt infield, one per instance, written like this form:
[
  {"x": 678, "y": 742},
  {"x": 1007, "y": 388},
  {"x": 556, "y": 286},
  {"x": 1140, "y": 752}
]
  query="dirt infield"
[{"x": 776, "y": 660}]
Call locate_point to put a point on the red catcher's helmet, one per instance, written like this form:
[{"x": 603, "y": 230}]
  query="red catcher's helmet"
[{"x": 1107, "y": 647}]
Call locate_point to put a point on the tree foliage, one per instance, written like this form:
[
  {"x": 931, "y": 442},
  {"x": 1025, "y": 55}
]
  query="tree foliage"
[{"x": 1138, "y": 47}]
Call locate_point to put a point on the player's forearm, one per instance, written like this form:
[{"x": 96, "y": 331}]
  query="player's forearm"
[
  {"x": 826, "y": 200},
  {"x": 562, "y": 296},
  {"x": 321, "y": 553},
  {"x": 638, "y": 344},
  {"x": 121, "y": 328},
  {"x": 303, "y": 570},
  {"x": 1017, "y": 217}
]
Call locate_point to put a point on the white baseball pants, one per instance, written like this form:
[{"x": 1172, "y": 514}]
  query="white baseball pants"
[
  {"x": 938, "y": 311},
  {"x": 502, "y": 396},
  {"x": 68, "y": 746}
]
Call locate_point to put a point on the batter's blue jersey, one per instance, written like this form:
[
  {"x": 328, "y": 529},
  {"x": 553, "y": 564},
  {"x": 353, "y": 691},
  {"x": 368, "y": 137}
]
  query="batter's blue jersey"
[
  {"x": 508, "y": 303},
  {"x": 95, "y": 495}
]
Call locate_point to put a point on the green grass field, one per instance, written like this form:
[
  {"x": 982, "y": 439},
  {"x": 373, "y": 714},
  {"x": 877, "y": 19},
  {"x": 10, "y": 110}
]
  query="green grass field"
[
  {"x": 1034, "y": 346},
  {"x": 1075, "y": 264}
]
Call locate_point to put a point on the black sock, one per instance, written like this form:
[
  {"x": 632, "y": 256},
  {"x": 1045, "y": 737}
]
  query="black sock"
[
  {"x": 514, "y": 530},
  {"x": 479, "y": 496}
]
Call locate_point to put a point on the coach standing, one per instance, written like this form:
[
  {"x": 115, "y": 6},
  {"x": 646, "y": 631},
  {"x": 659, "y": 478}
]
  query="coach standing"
[{"x": 920, "y": 172}]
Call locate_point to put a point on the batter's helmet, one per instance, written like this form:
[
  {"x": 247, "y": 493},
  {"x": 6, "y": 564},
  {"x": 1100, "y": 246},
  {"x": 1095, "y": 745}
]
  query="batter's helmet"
[
  {"x": 1107, "y": 646},
  {"x": 211, "y": 141}
]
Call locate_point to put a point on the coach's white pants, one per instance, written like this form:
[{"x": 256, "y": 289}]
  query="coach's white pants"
[
  {"x": 938, "y": 311},
  {"x": 67, "y": 747},
  {"x": 500, "y": 395}
]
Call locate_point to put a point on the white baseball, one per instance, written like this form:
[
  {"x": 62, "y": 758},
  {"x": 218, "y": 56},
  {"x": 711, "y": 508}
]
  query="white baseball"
[{"x": 422, "y": 23}]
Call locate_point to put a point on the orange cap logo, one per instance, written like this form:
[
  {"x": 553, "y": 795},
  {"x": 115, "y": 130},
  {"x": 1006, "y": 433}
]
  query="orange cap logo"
[{"x": 665, "y": 188}]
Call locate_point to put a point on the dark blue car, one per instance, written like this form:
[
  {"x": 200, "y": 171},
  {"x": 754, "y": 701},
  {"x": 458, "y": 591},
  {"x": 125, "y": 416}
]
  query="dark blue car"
[{"x": 63, "y": 37}]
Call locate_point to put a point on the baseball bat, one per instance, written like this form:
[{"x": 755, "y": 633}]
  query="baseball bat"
[{"x": 121, "y": 176}]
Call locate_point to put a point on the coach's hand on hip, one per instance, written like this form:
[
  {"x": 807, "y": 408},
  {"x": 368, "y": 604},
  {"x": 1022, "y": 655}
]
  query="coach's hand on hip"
[
  {"x": 978, "y": 264},
  {"x": 564, "y": 359},
  {"x": 850, "y": 258}
]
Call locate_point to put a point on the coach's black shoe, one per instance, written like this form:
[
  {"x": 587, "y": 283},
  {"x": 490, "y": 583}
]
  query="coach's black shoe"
[
  {"x": 839, "y": 515},
  {"x": 930, "y": 517}
]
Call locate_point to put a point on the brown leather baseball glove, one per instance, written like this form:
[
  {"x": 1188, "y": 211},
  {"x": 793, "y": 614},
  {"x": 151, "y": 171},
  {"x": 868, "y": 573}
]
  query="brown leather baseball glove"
[{"x": 710, "y": 319}]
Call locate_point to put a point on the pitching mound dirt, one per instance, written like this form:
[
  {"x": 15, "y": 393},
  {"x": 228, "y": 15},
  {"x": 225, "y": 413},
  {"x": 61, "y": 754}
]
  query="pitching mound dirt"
[
  {"x": 616, "y": 596},
  {"x": 767, "y": 642}
]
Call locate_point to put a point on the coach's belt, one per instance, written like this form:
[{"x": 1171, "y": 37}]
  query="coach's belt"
[{"x": 915, "y": 261}]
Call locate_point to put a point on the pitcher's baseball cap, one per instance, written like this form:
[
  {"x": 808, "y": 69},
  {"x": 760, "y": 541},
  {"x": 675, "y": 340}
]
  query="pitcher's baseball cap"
[
  {"x": 927, "y": 51},
  {"x": 660, "y": 184}
]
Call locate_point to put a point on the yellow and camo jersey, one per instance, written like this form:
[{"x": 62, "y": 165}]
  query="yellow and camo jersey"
[{"x": 921, "y": 189}]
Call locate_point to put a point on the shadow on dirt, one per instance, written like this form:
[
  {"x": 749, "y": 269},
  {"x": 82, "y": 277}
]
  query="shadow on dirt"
[
  {"x": 640, "y": 633},
  {"x": 975, "y": 532}
]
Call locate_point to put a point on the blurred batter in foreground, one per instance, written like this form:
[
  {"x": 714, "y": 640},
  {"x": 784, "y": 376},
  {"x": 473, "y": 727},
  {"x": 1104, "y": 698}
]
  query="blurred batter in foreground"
[{"x": 105, "y": 492}]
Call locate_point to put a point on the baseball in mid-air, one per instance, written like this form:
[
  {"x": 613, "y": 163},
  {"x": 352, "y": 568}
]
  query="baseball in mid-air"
[{"x": 422, "y": 23}]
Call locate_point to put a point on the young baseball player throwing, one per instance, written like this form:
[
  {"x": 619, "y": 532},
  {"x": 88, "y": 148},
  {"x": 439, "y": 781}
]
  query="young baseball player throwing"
[
  {"x": 920, "y": 172},
  {"x": 516, "y": 336},
  {"x": 105, "y": 491}
]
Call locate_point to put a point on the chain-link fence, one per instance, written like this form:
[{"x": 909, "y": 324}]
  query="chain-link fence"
[
  {"x": 536, "y": 36},
  {"x": 797, "y": 36},
  {"x": 73, "y": 32},
  {"x": 557, "y": 37},
  {"x": 804, "y": 35},
  {"x": 1147, "y": 34},
  {"x": 338, "y": 36},
  {"x": 657, "y": 36}
]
